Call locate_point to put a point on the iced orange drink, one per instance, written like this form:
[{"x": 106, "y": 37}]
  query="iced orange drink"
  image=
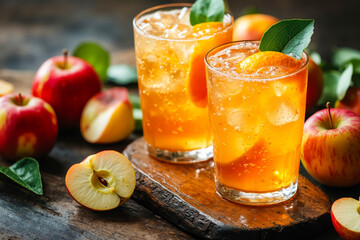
[
  {"x": 257, "y": 109},
  {"x": 172, "y": 82}
]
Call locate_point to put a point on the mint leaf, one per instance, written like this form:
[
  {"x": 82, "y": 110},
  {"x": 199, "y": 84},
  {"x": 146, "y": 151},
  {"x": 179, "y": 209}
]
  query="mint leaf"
[
  {"x": 344, "y": 82},
  {"x": 95, "y": 55},
  {"x": 331, "y": 79},
  {"x": 290, "y": 36},
  {"x": 26, "y": 173},
  {"x": 122, "y": 74},
  {"x": 207, "y": 11},
  {"x": 343, "y": 56}
]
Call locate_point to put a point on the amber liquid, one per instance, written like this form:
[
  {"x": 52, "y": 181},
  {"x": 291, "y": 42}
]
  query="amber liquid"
[
  {"x": 171, "y": 121},
  {"x": 257, "y": 122}
]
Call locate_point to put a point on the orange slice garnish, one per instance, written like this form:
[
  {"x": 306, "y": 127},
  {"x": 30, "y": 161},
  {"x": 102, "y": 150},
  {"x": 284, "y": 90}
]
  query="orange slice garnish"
[
  {"x": 260, "y": 60},
  {"x": 196, "y": 78},
  {"x": 5, "y": 88}
]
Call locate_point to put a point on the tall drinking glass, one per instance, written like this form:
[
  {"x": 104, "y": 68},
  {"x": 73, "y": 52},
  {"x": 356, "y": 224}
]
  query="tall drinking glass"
[
  {"x": 170, "y": 63},
  {"x": 257, "y": 121}
]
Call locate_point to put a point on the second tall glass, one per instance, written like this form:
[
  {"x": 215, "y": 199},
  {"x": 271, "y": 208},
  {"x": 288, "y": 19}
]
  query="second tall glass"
[
  {"x": 257, "y": 120},
  {"x": 171, "y": 72}
]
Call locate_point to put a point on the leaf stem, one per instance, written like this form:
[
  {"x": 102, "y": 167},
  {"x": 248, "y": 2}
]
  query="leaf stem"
[{"x": 329, "y": 115}]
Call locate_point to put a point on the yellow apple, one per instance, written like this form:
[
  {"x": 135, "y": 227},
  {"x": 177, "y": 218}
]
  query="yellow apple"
[
  {"x": 252, "y": 26},
  {"x": 5, "y": 88},
  {"x": 107, "y": 117},
  {"x": 102, "y": 181}
]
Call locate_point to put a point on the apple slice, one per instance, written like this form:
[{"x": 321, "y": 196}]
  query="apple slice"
[
  {"x": 107, "y": 117},
  {"x": 345, "y": 215},
  {"x": 102, "y": 181},
  {"x": 5, "y": 88}
]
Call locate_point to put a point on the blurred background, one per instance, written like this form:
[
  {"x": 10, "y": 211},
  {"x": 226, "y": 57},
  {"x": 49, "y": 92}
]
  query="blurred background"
[{"x": 33, "y": 30}]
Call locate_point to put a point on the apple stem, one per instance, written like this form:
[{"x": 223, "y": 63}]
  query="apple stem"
[
  {"x": 103, "y": 181},
  {"x": 65, "y": 53},
  {"x": 330, "y": 118},
  {"x": 21, "y": 100}
]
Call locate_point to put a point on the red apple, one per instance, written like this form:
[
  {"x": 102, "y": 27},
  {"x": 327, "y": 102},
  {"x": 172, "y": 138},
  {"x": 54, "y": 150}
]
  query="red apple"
[
  {"x": 28, "y": 126},
  {"x": 330, "y": 149},
  {"x": 66, "y": 83},
  {"x": 102, "y": 181},
  {"x": 107, "y": 117},
  {"x": 315, "y": 84},
  {"x": 345, "y": 215},
  {"x": 351, "y": 100}
]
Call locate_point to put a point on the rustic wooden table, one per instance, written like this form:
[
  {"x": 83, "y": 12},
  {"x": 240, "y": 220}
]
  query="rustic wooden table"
[
  {"x": 32, "y": 31},
  {"x": 55, "y": 215}
]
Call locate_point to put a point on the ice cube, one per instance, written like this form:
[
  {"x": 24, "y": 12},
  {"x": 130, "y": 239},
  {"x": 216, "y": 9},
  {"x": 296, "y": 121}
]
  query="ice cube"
[
  {"x": 242, "y": 133},
  {"x": 179, "y": 31},
  {"x": 283, "y": 114},
  {"x": 244, "y": 121},
  {"x": 184, "y": 16}
]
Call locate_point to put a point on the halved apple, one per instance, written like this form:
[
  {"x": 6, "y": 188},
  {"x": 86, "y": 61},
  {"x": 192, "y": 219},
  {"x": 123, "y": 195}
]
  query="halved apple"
[
  {"x": 5, "y": 88},
  {"x": 107, "y": 117},
  {"x": 345, "y": 215},
  {"x": 102, "y": 181}
]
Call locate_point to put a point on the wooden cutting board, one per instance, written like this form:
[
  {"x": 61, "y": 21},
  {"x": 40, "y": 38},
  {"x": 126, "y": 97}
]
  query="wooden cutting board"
[{"x": 185, "y": 195}]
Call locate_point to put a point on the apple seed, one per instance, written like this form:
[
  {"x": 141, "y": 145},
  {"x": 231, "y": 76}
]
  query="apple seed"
[{"x": 103, "y": 181}]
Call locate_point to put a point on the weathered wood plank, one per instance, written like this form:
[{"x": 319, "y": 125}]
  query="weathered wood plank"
[
  {"x": 24, "y": 215},
  {"x": 185, "y": 195}
]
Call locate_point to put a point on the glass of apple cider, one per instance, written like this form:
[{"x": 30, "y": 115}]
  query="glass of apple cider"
[
  {"x": 172, "y": 83},
  {"x": 257, "y": 120}
]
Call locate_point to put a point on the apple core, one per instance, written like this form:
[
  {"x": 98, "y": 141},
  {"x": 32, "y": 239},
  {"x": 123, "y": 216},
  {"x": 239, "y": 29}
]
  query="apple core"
[{"x": 103, "y": 181}]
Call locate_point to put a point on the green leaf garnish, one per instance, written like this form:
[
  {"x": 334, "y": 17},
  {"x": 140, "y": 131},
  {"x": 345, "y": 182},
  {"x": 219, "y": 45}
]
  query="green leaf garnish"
[
  {"x": 26, "y": 173},
  {"x": 344, "y": 82},
  {"x": 122, "y": 74},
  {"x": 290, "y": 37},
  {"x": 207, "y": 11},
  {"x": 95, "y": 55}
]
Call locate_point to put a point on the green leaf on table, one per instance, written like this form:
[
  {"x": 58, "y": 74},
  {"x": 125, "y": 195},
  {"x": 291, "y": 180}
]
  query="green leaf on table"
[
  {"x": 355, "y": 80},
  {"x": 289, "y": 36},
  {"x": 95, "y": 55},
  {"x": 356, "y": 65},
  {"x": 329, "y": 94},
  {"x": 207, "y": 11},
  {"x": 315, "y": 56},
  {"x": 26, "y": 173},
  {"x": 137, "y": 113},
  {"x": 138, "y": 118},
  {"x": 342, "y": 56},
  {"x": 135, "y": 100},
  {"x": 122, "y": 74},
  {"x": 344, "y": 81}
]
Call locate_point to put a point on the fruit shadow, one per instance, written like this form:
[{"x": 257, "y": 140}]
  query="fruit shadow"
[
  {"x": 129, "y": 212},
  {"x": 333, "y": 193}
]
